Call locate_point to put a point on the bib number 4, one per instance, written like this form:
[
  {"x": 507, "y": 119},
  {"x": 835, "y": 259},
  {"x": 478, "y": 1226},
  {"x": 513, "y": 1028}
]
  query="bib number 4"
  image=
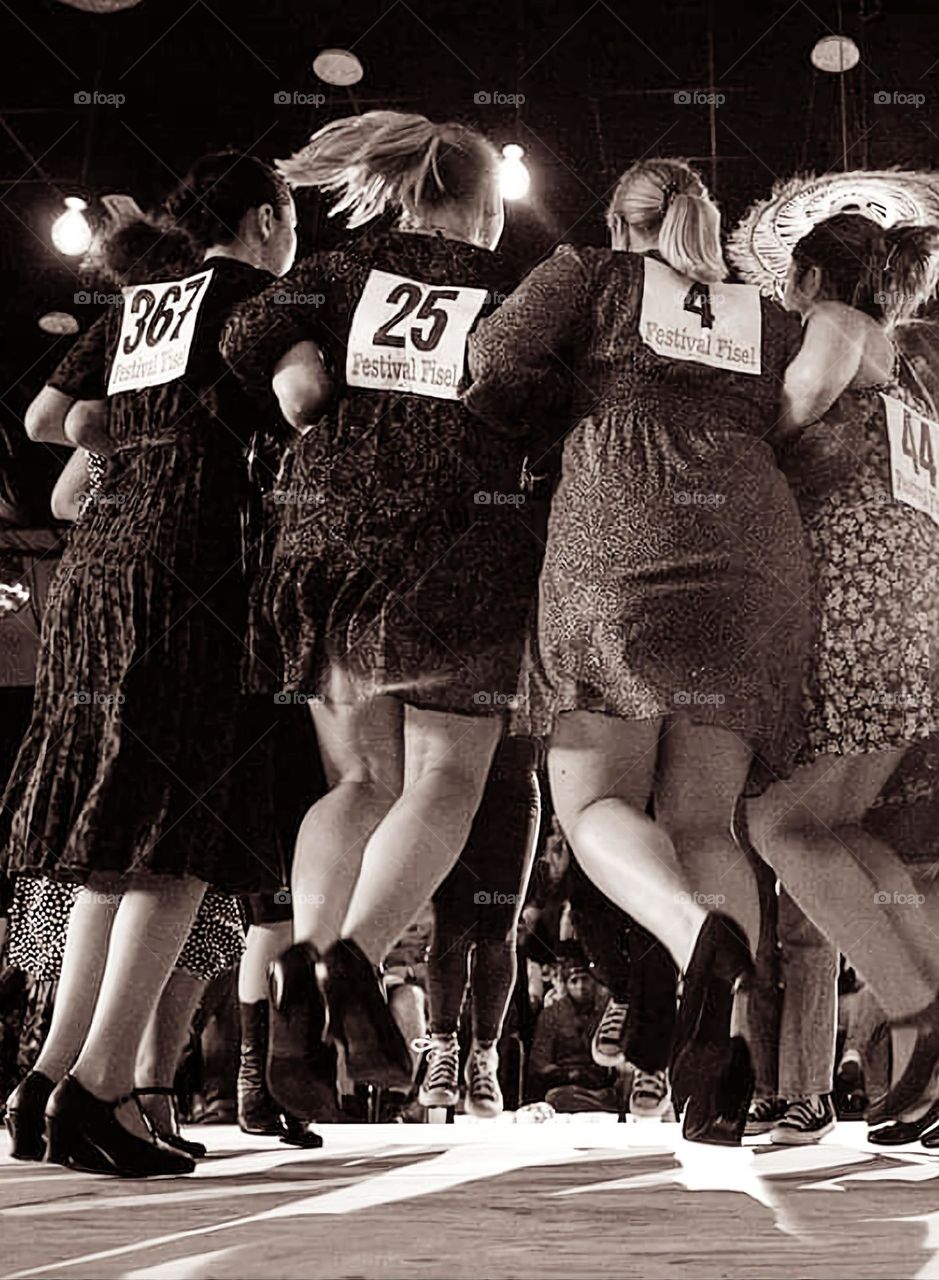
[{"x": 698, "y": 302}]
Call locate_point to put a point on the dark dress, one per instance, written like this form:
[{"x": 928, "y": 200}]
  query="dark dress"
[
  {"x": 127, "y": 763},
  {"x": 404, "y": 558},
  {"x": 674, "y": 578}
]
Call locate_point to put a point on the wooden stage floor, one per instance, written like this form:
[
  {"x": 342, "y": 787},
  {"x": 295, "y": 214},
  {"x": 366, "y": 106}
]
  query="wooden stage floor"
[{"x": 574, "y": 1197}]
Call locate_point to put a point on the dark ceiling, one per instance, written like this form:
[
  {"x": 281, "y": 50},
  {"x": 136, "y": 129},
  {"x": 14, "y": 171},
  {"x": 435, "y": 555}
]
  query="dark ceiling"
[{"x": 599, "y": 83}]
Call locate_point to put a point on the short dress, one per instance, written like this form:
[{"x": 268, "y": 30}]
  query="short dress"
[
  {"x": 675, "y": 578},
  {"x": 127, "y": 764},
  {"x": 874, "y": 673},
  {"x": 403, "y": 558},
  {"x": 40, "y": 909}
]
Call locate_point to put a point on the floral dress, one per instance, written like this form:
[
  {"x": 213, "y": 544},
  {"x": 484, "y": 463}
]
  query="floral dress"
[
  {"x": 875, "y": 584},
  {"x": 674, "y": 579}
]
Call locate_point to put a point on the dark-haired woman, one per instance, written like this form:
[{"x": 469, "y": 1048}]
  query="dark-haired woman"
[
  {"x": 121, "y": 784},
  {"x": 859, "y": 459},
  {"x": 404, "y": 571}
]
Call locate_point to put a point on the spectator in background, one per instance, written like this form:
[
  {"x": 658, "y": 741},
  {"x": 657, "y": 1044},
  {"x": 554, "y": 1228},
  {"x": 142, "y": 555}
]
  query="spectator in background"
[{"x": 562, "y": 1069}]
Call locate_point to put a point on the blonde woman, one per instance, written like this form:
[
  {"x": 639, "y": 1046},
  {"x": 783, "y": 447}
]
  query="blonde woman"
[
  {"x": 404, "y": 571},
  {"x": 671, "y": 619}
]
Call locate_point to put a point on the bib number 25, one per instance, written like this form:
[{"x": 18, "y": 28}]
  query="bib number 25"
[{"x": 414, "y": 302}]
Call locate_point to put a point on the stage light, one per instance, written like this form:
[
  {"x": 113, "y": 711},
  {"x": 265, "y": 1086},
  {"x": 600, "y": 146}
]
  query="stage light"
[
  {"x": 58, "y": 322},
  {"x": 338, "y": 67},
  {"x": 835, "y": 54},
  {"x": 71, "y": 233},
  {"x": 514, "y": 179},
  {"x": 100, "y": 6}
]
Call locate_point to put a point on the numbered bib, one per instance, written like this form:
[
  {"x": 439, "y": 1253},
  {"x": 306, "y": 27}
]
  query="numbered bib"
[
  {"x": 914, "y": 446},
  {"x": 408, "y": 336},
  {"x": 157, "y": 329},
  {"x": 719, "y": 325}
]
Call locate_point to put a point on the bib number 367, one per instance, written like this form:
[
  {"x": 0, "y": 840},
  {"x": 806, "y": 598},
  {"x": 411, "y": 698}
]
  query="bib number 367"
[
  {"x": 410, "y": 336},
  {"x": 914, "y": 445},
  {"x": 157, "y": 329}
]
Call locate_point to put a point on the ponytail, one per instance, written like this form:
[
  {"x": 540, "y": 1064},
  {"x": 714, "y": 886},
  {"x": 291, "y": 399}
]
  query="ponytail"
[
  {"x": 389, "y": 160},
  {"x": 217, "y": 192},
  {"x": 667, "y": 198},
  {"x": 130, "y": 248},
  {"x": 911, "y": 270}
]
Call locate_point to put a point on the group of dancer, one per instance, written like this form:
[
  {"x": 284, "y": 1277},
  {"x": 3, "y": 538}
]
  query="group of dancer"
[{"x": 723, "y": 631}]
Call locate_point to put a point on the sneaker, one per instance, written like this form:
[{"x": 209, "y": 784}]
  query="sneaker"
[
  {"x": 483, "y": 1095},
  {"x": 764, "y": 1113},
  {"x": 607, "y": 1046},
  {"x": 649, "y": 1096},
  {"x": 441, "y": 1084},
  {"x": 806, "y": 1120}
]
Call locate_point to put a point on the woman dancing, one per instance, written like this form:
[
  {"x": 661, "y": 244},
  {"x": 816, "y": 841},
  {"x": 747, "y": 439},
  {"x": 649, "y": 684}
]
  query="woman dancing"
[
  {"x": 120, "y": 785},
  {"x": 875, "y": 584},
  {"x": 402, "y": 579},
  {"x": 672, "y": 628}
]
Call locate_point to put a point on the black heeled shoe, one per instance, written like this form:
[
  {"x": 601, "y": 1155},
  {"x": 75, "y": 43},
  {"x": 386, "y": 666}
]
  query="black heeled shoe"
[
  {"x": 720, "y": 1097},
  {"x": 901, "y": 1131},
  {"x": 82, "y": 1132},
  {"x": 172, "y": 1136},
  {"x": 296, "y": 1134},
  {"x": 917, "y": 1075},
  {"x": 301, "y": 1070},
  {"x": 26, "y": 1116},
  {"x": 720, "y": 961},
  {"x": 359, "y": 1019}
]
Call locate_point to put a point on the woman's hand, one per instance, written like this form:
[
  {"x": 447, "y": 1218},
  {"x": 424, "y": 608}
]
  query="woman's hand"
[
  {"x": 302, "y": 385},
  {"x": 86, "y": 426}
]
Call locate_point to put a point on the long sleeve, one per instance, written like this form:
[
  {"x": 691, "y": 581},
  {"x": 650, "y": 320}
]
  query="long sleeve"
[
  {"x": 520, "y": 356},
  {"x": 83, "y": 373},
  {"x": 264, "y": 328}
]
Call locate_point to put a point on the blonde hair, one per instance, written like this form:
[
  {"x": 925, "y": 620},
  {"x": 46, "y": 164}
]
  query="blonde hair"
[
  {"x": 668, "y": 198},
  {"x": 385, "y": 160}
]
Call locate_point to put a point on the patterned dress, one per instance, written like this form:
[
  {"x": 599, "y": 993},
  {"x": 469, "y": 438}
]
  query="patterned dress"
[
  {"x": 127, "y": 763},
  {"x": 40, "y": 910},
  {"x": 674, "y": 578},
  {"x": 404, "y": 557},
  {"x": 874, "y": 682}
]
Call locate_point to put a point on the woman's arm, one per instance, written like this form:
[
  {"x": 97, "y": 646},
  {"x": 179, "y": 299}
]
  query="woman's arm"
[
  {"x": 301, "y": 384},
  {"x": 522, "y": 351},
  {"x": 71, "y": 487},
  {"x": 86, "y": 426},
  {"x": 827, "y": 362},
  {"x": 45, "y": 417}
]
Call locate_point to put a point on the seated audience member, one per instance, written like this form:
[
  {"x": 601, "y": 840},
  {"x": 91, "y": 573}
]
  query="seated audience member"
[{"x": 562, "y": 1069}]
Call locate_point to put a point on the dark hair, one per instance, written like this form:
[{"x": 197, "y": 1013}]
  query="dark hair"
[
  {"x": 886, "y": 274},
  {"x": 218, "y": 191},
  {"x": 141, "y": 251}
]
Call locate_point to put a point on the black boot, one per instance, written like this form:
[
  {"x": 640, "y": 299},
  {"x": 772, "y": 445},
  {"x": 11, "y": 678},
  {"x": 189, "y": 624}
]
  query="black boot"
[
  {"x": 720, "y": 1095},
  {"x": 170, "y": 1132},
  {"x": 26, "y": 1116},
  {"x": 257, "y": 1111},
  {"x": 82, "y": 1132},
  {"x": 914, "y": 1082},
  {"x": 301, "y": 1070},
  {"x": 359, "y": 1018}
]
